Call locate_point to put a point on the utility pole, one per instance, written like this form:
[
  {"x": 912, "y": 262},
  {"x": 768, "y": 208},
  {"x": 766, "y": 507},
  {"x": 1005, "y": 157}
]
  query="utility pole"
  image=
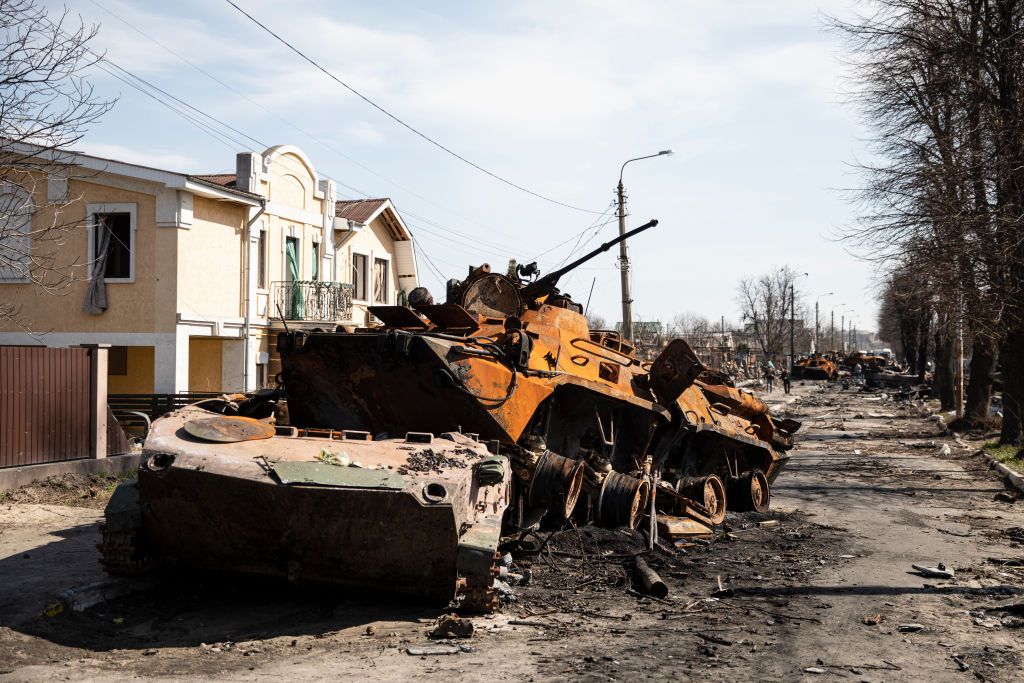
[
  {"x": 792, "y": 325},
  {"x": 832, "y": 333},
  {"x": 816, "y": 326},
  {"x": 723, "y": 342},
  {"x": 627, "y": 295},
  {"x": 842, "y": 330},
  {"x": 817, "y": 330}
]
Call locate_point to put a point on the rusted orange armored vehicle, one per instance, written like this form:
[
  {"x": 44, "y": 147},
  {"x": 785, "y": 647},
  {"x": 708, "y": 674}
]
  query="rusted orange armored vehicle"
[
  {"x": 495, "y": 412},
  {"x": 815, "y": 367}
]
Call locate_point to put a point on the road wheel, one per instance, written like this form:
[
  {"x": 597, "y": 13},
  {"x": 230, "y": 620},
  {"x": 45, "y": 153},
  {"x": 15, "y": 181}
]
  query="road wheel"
[{"x": 750, "y": 492}]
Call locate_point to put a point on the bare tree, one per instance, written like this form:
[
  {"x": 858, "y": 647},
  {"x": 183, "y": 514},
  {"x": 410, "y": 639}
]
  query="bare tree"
[
  {"x": 692, "y": 327},
  {"x": 597, "y": 322},
  {"x": 765, "y": 306},
  {"x": 46, "y": 105},
  {"x": 940, "y": 87}
]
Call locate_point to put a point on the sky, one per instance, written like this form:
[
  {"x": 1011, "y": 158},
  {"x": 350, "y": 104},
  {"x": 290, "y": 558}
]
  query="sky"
[{"x": 553, "y": 96}]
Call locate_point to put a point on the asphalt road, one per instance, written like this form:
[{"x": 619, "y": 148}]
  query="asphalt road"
[{"x": 869, "y": 492}]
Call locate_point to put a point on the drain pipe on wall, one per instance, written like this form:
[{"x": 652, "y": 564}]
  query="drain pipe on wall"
[{"x": 249, "y": 288}]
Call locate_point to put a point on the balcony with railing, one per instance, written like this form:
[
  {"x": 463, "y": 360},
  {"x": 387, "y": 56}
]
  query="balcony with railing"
[{"x": 311, "y": 301}]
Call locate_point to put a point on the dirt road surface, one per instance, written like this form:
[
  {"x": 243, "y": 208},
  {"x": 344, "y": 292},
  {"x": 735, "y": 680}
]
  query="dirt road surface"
[{"x": 820, "y": 588}]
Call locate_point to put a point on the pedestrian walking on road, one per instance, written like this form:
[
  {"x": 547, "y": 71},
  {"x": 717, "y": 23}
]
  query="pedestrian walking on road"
[
  {"x": 784, "y": 376},
  {"x": 769, "y": 376}
]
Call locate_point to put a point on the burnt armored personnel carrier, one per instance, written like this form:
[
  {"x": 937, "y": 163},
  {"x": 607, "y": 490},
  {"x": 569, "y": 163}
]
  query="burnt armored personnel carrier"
[
  {"x": 815, "y": 367},
  {"x": 412, "y": 446}
]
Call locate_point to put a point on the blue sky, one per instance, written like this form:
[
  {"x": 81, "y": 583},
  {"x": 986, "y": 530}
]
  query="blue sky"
[{"x": 552, "y": 95}]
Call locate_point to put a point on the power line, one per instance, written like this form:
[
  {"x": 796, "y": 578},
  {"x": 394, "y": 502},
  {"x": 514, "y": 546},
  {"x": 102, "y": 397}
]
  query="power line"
[
  {"x": 298, "y": 128},
  {"x": 580, "y": 234},
  {"x": 501, "y": 249},
  {"x": 399, "y": 121},
  {"x": 421, "y": 250},
  {"x": 145, "y": 87}
]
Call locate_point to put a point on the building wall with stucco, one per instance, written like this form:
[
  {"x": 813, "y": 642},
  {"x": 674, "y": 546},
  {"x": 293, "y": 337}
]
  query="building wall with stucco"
[{"x": 195, "y": 315}]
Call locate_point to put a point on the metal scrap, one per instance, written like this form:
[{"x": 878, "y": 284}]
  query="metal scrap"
[{"x": 429, "y": 460}]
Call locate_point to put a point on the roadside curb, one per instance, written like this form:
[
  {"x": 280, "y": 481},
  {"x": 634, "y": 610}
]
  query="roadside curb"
[
  {"x": 1013, "y": 477},
  {"x": 15, "y": 477}
]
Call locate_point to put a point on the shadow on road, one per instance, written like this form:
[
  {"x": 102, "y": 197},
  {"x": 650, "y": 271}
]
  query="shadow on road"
[{"x": 184, "y": 608}]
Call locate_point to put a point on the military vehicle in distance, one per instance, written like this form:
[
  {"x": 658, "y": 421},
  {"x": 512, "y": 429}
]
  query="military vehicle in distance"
[{"x": 815, "y": 367}]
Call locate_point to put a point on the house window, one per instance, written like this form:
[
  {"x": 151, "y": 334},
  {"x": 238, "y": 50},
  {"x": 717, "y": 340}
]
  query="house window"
[
  {"x": 15, "y": 236},
  {"x": 261, "y": 260},
  {"x": 359, "y": 273},
  {"x": 291, "y": 254},
  {"x": 261, "y": 375},
  {"x": 316, "y": 262},
  {"x": 113, "y": 231},
  {"x": 380, "y": 281}
]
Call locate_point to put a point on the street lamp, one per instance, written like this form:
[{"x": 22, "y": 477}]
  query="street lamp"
[
  {"x": 843, "y": 335},
  {"x": 793, "y": 319},
  {"x": 820, "y": 297},
  {"x": 627, "y": 297},
  {"x": 832, "y": 329}
]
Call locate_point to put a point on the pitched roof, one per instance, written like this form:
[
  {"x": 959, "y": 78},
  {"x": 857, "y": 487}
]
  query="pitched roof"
[
  {"x": 225, "y": 179},
  {"x": 358, "y": 210}
]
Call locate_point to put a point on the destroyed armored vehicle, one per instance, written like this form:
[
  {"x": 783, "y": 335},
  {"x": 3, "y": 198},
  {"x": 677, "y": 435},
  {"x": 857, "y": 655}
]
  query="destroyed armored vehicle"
[
  {"x": 412, "y": 447},
  {"x": 815, "y": 367}
]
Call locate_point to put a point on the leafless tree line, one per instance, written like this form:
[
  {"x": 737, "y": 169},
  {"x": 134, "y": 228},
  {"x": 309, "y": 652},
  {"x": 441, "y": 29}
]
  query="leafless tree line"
[
  {"x": 766, "y": 304},
  {"x": 46, "y": 105},
  {"x": 941, "y": 84}
]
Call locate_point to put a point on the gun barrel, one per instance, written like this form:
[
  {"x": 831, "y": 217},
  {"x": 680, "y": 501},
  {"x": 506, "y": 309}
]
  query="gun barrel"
[{"x": 548, "y": 282}]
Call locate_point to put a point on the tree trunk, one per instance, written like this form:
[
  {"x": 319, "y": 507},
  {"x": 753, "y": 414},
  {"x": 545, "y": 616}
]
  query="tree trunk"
[
  {"x": 922, "y": 352},
  {"x": 979, "y": 387},
  {"x": 943, "y": 384},
  {"x": 910, "y": 354},
  {"x": 1013, "y": 386}
]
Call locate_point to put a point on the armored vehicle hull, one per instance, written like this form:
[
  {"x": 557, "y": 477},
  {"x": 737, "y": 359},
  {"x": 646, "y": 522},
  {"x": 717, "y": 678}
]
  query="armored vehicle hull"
[
  {"x": 418, "y": 514},
  {"x": 411, "y": 447}
]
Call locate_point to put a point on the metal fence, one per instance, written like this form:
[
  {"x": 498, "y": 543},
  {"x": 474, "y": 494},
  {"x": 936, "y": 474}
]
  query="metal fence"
[
  {"x": 312, "y": 300},
  {"x": 45, "y": 407},
  {"x": 153, "y": 405}
]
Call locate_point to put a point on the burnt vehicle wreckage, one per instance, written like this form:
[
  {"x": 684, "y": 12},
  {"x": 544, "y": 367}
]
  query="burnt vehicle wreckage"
[{"x": 404, "y": 453}]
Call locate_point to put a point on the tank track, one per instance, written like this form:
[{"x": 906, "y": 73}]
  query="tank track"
[
  {"x": 124, "y": 552},
  {"x": 478, "y": 592}
]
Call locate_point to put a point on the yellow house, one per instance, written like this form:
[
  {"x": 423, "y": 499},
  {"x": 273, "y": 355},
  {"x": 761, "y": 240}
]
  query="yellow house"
[{"x": 188, "y": 277}]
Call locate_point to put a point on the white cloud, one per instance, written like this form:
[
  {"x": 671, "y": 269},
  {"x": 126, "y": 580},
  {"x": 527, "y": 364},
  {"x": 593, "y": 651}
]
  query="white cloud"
[
  {"x": 552, "y": 95},
  {"x": 153, "y": 157}
]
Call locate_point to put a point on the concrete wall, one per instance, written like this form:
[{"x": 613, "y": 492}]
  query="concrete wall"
[{"x": 209, "y": 265}]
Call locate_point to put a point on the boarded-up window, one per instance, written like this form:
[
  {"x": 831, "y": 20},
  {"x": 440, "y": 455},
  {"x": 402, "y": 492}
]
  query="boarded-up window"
[{"x": 380, "y": 281}]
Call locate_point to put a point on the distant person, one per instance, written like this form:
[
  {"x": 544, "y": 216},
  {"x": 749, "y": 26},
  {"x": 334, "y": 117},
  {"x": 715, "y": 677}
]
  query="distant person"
[
  {"x": 769, "y": 376},
  {"x": 784, "y": 376}
]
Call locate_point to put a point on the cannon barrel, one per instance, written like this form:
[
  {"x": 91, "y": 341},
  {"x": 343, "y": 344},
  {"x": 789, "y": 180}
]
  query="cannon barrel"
[{"x": 546, "y": 284}]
